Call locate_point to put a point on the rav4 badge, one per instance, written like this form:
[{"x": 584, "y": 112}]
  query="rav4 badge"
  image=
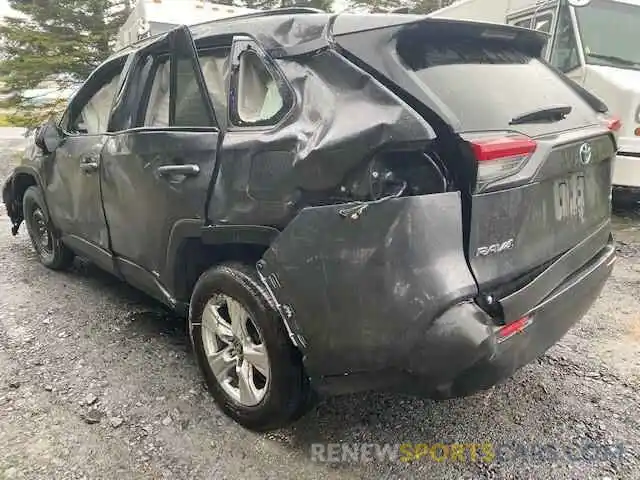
[{"x": 495, "y": 248}]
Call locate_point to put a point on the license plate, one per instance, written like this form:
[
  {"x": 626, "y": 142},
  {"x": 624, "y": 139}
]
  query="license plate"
[{"x": 569, "y": 197}]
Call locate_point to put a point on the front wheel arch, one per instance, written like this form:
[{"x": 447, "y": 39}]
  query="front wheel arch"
[{"x": 20, "y": 182}]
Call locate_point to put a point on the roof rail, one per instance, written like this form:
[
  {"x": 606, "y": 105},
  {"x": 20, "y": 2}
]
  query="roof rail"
[
  {"x": 262, "y": 13},
  {"x": 140, "y": 40}
]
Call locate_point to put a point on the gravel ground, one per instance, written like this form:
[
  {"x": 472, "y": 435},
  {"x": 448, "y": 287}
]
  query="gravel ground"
[{"x": 97, "y": 381}]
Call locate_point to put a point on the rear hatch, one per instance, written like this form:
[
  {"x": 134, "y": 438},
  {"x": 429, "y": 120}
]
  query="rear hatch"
[{"x": 540, "y": 153}]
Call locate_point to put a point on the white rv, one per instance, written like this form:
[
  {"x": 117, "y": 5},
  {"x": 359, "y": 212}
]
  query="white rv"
[
  {"x": 594, "y": 42},
  {"x": 151, "y": 17}
]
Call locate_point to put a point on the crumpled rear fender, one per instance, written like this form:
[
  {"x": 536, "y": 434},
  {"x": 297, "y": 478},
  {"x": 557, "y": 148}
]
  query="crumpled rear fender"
[{"x": 359, "y": 289}]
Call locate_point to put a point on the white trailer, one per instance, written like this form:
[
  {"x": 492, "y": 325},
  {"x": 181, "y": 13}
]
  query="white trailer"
[
  {"x": 595, "y": 43},
  {"x": 151, "y": 17}
]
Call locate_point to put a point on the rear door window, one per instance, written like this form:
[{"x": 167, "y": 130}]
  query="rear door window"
[
  {"x": 259, "y": 98},
  {"x": 485, "y": 84},
  {"x": 191, "y": 109}
]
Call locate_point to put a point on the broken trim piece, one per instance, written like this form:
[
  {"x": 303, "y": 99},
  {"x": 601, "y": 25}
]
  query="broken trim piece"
[{"x": 285, "y": 311}]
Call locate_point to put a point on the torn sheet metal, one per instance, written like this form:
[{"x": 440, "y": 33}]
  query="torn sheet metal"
[
  {"x": 341, "y": 117},
  {"x": 361, "y": 294},
  {"x": 280, "y": 35}
]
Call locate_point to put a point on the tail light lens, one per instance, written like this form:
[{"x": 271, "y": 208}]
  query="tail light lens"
[
  {"x": 513, "y": 328},
  {"x": 614, "y": 124},
  {"x": 500, "y": 155}
]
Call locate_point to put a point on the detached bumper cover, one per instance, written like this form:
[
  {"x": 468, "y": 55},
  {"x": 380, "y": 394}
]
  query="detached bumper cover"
[
  {"x": 359, "y": 290},
  {"x": 384, "y": 300}
]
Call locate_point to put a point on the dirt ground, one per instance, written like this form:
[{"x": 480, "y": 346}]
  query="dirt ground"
[{"x": 98, "y": 381}]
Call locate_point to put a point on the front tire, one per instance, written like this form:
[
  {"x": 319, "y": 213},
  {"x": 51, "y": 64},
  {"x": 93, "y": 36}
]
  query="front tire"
[
  {"x": 253, "y": 372},
  {"x": 51, "y": 251}
]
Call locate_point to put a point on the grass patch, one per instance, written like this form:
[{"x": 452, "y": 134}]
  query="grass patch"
[{"x": 5, "y": 121}]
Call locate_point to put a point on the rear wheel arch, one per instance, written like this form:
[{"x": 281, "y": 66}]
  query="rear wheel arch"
[
  {"x": 194, "y": 248},
  {"x": 194, "y": 257}
]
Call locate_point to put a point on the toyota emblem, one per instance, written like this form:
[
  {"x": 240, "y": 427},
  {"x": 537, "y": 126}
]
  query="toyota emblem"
[{"x": 585, "y": 153}]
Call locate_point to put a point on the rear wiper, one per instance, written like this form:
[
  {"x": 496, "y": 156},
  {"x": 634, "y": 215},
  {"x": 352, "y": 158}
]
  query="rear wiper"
[
  {"x": 614, "y": 59},
  {"x": 545, "y": 114}
]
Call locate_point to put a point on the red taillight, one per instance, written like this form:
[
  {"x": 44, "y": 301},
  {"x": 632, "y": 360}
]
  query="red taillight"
[
  {"x": 487, "y": 149},
  {"x": 614, "y": 124},
  {"x": 514, "y": 327},
  {"x": 499, "y": 155}
]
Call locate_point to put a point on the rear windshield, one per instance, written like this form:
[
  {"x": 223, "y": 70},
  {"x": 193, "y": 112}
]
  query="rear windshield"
[{"x": 486, "y": 84}]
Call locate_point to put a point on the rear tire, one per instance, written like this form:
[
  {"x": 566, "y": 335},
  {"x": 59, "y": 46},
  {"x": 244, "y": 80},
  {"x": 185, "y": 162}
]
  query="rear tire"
[
  {"x": 259, "y": 380},
  {"x": 51, "y": 251}
]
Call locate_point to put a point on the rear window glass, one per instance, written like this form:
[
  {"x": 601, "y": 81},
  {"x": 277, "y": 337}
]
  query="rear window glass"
[{"x": 485, "y": 84}]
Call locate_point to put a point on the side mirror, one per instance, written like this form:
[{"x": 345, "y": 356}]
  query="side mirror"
[{"x": 48, "y": 137}]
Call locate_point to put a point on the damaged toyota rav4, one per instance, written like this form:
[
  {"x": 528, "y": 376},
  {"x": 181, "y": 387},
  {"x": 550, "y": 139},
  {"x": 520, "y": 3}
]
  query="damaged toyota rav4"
[{"x": 336, "y": 203}]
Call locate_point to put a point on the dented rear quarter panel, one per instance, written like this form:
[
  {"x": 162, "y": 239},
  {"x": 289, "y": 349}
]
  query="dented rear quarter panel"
[
  {"x": 363, "y": 292},
  {"x": 340, "y": 118}
]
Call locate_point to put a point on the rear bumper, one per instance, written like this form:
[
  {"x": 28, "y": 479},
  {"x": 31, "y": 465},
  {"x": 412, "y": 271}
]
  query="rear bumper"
[
  {"x": 551, "y": 319},
  {"x": 462, "y": 353}
]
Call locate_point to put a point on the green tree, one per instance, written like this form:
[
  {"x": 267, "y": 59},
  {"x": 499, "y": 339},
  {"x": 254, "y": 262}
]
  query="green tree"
[
  {"x": 413, "y": 6},
  {"x": 270, "y": 4},
  {"x": 319, "y": 4},
  {"x": 428, "y": 6},
  {"x": 61, "y": 40}
]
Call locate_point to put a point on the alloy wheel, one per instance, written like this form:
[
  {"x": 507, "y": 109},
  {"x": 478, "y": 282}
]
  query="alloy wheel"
[
  {"x": 42, "y": 236},
  {"x": 235, "y": 350}
]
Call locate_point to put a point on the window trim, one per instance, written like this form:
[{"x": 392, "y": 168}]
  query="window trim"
[{"x": 248, "y": 44}]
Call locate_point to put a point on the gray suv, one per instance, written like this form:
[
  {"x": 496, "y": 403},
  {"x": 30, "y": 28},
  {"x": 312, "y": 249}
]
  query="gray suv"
[{"x": 335, "y": 202}]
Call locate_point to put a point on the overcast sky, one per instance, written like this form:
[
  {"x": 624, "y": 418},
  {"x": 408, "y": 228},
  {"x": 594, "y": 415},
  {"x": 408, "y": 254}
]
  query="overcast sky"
[{"x": 4, "y": 7}]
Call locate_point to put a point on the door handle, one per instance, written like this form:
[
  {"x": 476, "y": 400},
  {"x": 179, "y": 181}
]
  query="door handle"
[{"x": 190, "y": 170}]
